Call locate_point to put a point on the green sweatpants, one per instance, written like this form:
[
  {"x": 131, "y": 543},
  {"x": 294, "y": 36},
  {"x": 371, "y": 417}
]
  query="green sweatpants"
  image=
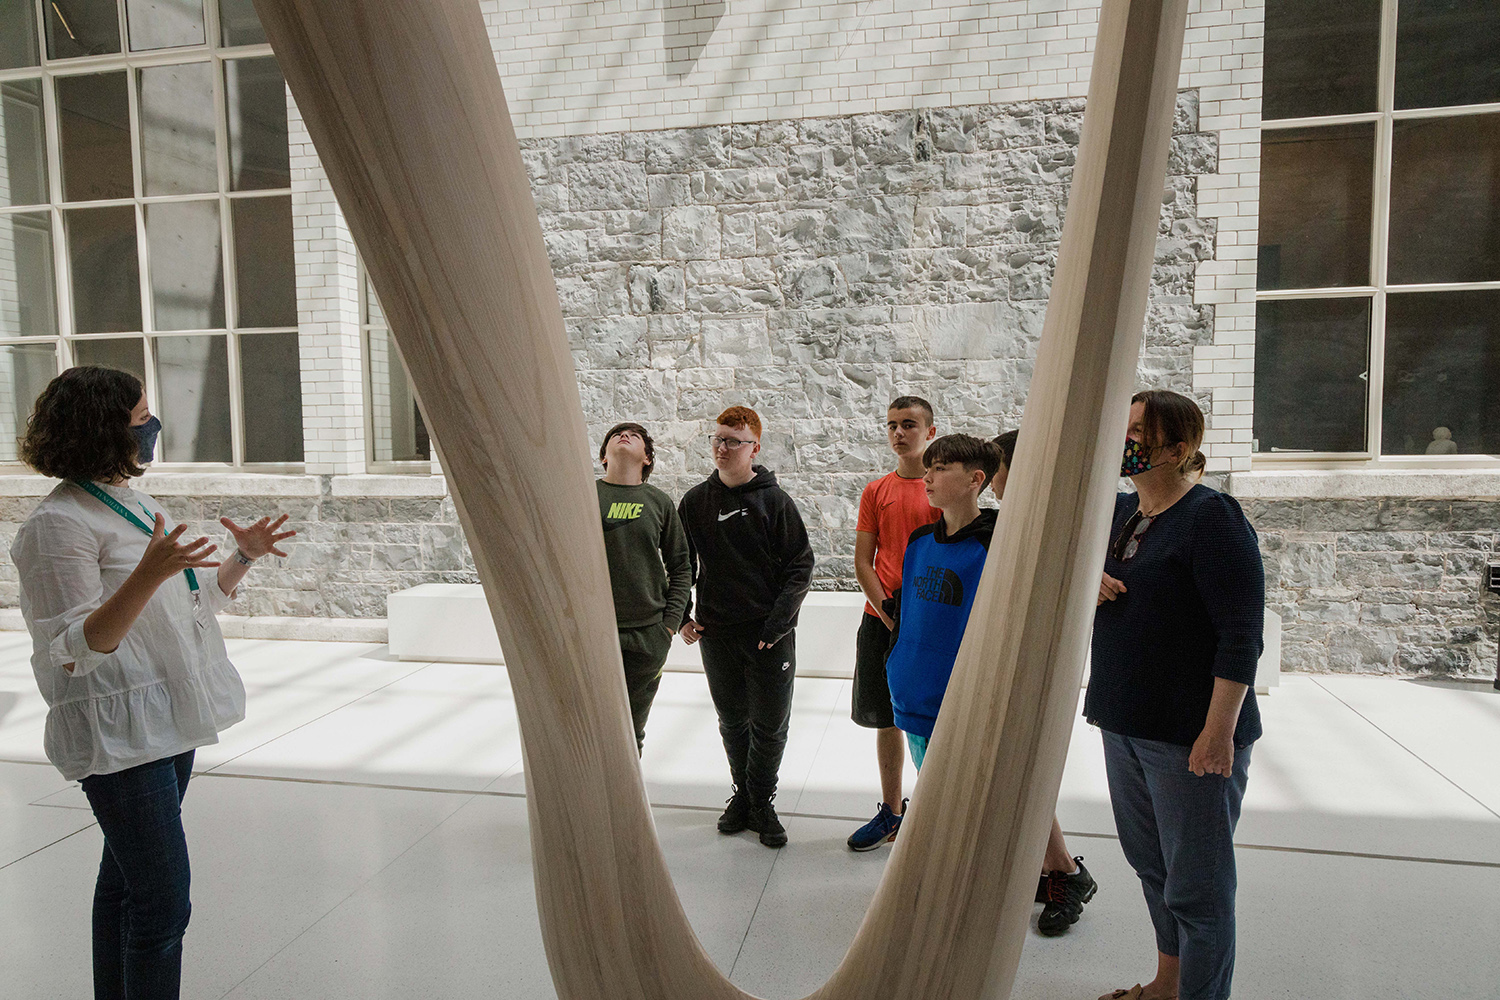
[{"x": 644, "y": 651}]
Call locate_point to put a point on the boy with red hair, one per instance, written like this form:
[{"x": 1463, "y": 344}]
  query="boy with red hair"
[{"x": 752, "y": 565}]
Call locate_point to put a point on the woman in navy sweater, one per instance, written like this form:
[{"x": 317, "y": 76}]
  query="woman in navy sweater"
[{"x": 1177, "y": 638}]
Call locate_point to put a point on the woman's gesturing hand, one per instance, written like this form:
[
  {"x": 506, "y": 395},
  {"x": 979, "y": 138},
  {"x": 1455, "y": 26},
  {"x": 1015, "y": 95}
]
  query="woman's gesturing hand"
[
  {"x": 165, "y": 556},
  {"x": 1110, "y": 588},
  {"x": 260, "y": 538}
]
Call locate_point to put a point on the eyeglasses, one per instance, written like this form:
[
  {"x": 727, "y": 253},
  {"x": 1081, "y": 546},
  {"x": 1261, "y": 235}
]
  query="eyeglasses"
[
  {"x": 1129, "y": 542},
  {"x": 728, "y": 444}
]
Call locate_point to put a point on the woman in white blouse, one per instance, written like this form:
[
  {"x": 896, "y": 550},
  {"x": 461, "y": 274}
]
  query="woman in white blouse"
[{"x": 129, "y": 657}]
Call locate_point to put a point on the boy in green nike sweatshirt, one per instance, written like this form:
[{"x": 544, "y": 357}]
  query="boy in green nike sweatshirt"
[{"x": 649, "y": 570}]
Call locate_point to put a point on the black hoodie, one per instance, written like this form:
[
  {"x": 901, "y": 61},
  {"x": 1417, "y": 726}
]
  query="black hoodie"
[{"x": 750, "y": 554}]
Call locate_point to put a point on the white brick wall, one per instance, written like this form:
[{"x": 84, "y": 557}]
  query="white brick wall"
[
  {"x": 327, "y": 315},
  {"x": 593, "y": 66}
]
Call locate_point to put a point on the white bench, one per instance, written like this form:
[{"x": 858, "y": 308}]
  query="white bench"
[{"x": 451, "y": 622}]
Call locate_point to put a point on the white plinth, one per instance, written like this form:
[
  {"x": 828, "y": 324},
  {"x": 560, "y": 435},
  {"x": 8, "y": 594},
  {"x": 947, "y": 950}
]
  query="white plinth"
[
  {"x": 451, "y": 622},
  {"x": 1268, "y": 670}
]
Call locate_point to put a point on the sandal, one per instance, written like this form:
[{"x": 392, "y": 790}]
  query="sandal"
[{"x": 1134, "y": 993}]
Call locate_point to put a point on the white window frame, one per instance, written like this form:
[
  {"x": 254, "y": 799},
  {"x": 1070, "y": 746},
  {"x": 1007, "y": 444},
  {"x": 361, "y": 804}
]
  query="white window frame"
[
  {"x": 49, "y": 71},
  {"x": 1384, "y": 120},
  {"x": 416, "y": 467}
]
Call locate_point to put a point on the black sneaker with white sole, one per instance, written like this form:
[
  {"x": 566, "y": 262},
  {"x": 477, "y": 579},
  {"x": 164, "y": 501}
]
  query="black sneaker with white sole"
[{"x": 1066, "y": 895}]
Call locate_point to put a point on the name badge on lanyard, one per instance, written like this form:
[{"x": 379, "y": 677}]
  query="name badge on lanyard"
[{"x": 125, "y": 512}]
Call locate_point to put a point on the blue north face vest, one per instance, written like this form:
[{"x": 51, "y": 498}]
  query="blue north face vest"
[{"x": 938, "y": 580}]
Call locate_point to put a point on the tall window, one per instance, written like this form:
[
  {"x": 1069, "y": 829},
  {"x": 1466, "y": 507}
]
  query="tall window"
[
  {"x": 394, "y": 429},
  {"x": 1377, "y": 331},
  {"x": 146, "y": 219}
]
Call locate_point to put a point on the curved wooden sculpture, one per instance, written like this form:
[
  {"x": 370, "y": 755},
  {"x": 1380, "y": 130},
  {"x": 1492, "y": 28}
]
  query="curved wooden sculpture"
[{"x": 405, "y": 106}]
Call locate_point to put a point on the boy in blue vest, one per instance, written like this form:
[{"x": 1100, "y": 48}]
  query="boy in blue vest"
[{"x": 939, "y": 575}]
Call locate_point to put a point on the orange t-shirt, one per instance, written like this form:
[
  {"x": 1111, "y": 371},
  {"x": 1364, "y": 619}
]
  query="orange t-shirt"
[{"x": 891, "y": 508}]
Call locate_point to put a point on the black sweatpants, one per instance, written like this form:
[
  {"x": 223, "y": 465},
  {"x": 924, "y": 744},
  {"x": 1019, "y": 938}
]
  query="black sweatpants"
[{"x": 752, "y": 692}]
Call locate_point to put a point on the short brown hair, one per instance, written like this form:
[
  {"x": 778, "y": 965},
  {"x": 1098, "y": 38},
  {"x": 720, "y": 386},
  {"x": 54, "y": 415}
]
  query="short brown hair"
[
  {"x": 740, "y": 416},
  {"x": 1007, "y": 444},
  {"x": 966, "y": 450},
  {"x": 80, "y": 427},
  {"x": 914, "y": 403},
  {"x": 645, "y": 436},
  {"x": 1171, "y": 418}
]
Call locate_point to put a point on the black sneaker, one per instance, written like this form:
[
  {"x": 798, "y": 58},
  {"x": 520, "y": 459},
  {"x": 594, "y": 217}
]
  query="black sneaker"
[
  {"x": 736, "y": 815},
  {"x": 1066, "y": 895},
  {"x": 764, "y": 821}
]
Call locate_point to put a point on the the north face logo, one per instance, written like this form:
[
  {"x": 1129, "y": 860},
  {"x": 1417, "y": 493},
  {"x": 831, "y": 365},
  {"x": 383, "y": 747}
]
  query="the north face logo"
[{"x": 940, "y": 585}]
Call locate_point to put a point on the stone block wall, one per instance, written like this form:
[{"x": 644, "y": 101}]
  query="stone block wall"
[
  {"x": 1381, "y": 585},
  {"x": 814, "y": 269}
]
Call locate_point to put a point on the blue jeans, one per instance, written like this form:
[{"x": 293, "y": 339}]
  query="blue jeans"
[
  {"x": 1177, "y": 831},
  {"x": 141, "y": 903}
]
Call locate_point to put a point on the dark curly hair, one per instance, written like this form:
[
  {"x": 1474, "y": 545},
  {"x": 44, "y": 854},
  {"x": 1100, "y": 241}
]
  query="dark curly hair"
[
  {"x": 80, "y": 429},
  {"x": 645, "y": 437}
]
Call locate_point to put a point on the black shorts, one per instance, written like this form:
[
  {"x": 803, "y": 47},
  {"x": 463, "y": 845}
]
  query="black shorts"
[{"x": 872, "y": 694}]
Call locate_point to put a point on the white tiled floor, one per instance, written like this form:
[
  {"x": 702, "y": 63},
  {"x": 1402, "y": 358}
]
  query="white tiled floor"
[{"x": 363, "y": 834}]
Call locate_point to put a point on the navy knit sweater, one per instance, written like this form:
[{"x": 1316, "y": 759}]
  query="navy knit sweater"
[{"x": 1193, "y": 610}]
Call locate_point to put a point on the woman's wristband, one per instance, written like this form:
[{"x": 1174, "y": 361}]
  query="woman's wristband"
[{"x": 243, "y": 559}]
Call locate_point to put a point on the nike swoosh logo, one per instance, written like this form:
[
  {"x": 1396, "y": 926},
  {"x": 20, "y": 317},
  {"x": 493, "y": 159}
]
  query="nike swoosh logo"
[
  {"x": 786, "y": 666},
  {"x": 725, "y": 517}
]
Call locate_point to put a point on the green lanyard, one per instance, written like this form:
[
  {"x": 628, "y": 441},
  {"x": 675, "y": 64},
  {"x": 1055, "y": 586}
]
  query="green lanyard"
[{"x": 119, "y": 508}]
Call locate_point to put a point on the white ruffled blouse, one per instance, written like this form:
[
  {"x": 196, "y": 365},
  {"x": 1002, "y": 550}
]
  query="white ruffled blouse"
[{"x": 168, "y": 688}]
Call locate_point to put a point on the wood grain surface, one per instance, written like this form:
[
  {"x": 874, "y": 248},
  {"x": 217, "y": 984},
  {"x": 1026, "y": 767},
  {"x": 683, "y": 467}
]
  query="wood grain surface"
[{"x": 406, "y": 109}]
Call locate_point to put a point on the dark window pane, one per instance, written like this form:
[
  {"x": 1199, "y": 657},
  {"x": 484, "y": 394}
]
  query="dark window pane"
[
  {"x": 399, "y": 432},
  {"x": 164, "y": 24},
  {"x": 1445, "y": 200},
  {"x": 18, "y": 41},
  {"x": 192, "y": 378},
  {"x": 82, "y": 28},
  {"x": 1321, "y": 58},
  {"x": 1442, "y": 370},
  {"x": 239, "y": 24},
  {"x": 256, "y": 96},
  {"x": 94, "y": 127},
  {"x": 272, "y": 372},
  {"x": 23, "y": 144},
  {"x": 1447, "y": 53},
  {"x": 265, "y": 277},
  {"x": 25, "y": 371},
  {"x": 28, "y": 302},
  {"x": 105, "y": 269},
  {"x": 178, "y": 152},
  {"x": 1316, "y": 189},
  {"x": 1311, "y": 374},
  {"x": 187, "y": 265},
  {"x": 128, "y": 354}
]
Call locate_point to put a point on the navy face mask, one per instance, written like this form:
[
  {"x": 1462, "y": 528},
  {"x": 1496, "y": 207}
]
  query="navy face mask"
[{"x": 145, "y": 439}]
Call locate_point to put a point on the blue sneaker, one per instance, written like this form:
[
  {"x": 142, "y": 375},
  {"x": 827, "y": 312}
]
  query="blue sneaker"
[{"x": 880, "y": 830}]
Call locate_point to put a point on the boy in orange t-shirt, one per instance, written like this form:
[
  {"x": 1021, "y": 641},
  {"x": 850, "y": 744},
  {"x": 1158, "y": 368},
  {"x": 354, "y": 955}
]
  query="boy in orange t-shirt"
[{"x": 891, "y": 508}]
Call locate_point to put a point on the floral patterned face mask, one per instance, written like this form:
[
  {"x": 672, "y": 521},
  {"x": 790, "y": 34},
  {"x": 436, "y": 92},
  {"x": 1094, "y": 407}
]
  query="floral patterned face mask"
[{"x": 1135, "y": 461}]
